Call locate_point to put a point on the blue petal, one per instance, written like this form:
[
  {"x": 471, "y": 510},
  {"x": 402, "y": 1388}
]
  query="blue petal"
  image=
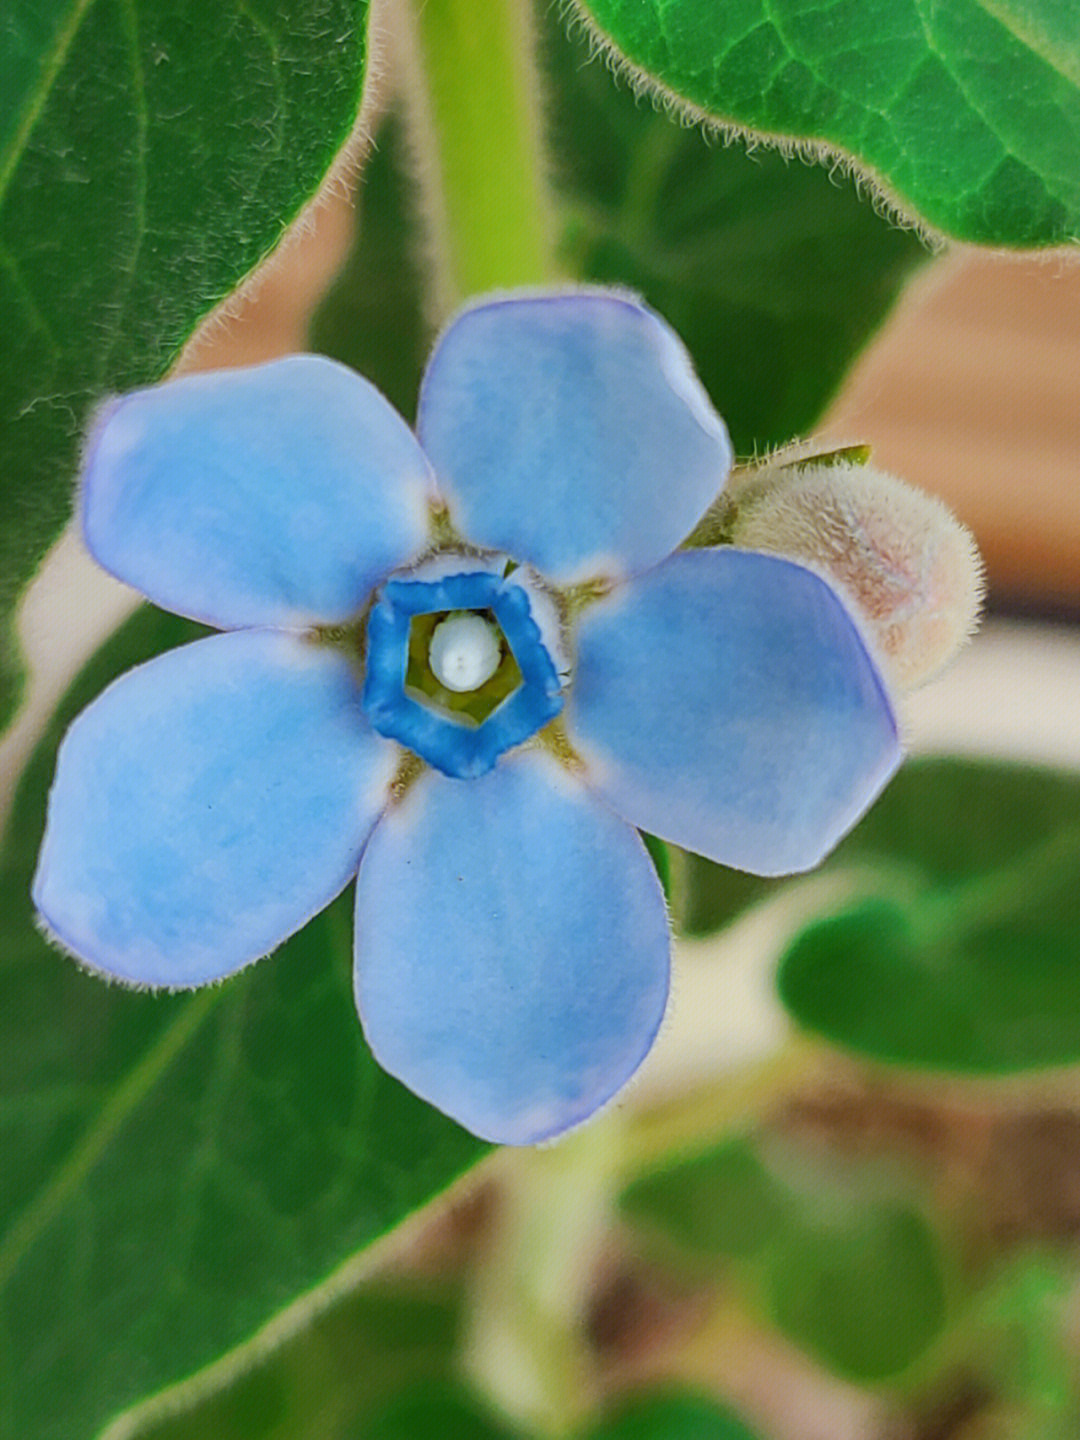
[
  {"x": 512, "y": 949},
  {"x": 206, "y": 805},
  {"x": 273, "y": 496},
  {"x": 570, "y": 430},
  {"x": 726, "y": 701}
]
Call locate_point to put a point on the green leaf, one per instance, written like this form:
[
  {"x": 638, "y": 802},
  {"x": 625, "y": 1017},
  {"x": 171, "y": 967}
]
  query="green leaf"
[
  {"x": 446, "y": 1411},
  {"x": 373, "y": 317},
  {"x": 707, "y": 896},
  {"x": 150, "y": 156},
  {"x": 854, "y": 1279},
  {"x": 965, "y": 958},
  {"x": 775, "y": 274},
  {"x": 178, "y": 1167},
  {"x": 672, "y": 1417},
  {"x": 332, "y": 1379},
  {"x": 865, "y": 1295},
  {"x": 1017, "y": 1341},
  {"x": 723, "y": 1203},
  {"x": 966, "y": 114},
  {"x": 660, "y": 855}
]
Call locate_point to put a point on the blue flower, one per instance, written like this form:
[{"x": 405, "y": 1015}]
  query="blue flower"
[{"x": 461, "y": 666}]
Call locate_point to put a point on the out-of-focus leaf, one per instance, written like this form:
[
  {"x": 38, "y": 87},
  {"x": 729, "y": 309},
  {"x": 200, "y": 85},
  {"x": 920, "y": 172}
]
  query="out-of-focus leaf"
[
  {"x": 446, "y": 1411},
  {"x": 672, "y": 1417},
  {"x": 856, "y": 1280},
  {"x": 150, "y": 156},
  {"x": 967, "y": 957},
  {"x": 373, "y": 317},
  {"x": 722, "y": 1203},
  {"x": 707, "y": 896},
  {"x": 177, "y": 1168},
  {"x": 774, "y": 273},
  {"x": 968, "y": 113},
  {"x": 864, "y": 1293}
]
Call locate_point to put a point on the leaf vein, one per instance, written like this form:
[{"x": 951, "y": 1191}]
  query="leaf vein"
[
  {"x": 68, "y": 1176},
  {"x": 1007, "y": 151},
  {"x": 36, "y": 100},
  {"x": 25, "y": 295},
  {"x": 1067, "y": 68}
]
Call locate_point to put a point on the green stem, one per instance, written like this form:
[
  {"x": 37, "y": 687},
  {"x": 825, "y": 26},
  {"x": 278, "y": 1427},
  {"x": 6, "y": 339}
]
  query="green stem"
[
  {"x": 475, "y": 103},
  {"x": 526, "y": 1347}
]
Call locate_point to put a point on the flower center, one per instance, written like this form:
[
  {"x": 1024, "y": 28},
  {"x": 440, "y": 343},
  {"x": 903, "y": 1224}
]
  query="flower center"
[
  {"x": 464, "y": 651},
  {"x": 424, "y": 682},
  {"x": 463, "y": 661}
]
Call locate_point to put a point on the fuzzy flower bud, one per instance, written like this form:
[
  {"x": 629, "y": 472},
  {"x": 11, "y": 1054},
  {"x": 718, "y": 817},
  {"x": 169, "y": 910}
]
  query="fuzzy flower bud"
[{"x": 911, "y": 569}]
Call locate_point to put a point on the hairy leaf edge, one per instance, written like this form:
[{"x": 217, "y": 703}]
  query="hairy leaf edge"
[{"x": 869, "y": 183}]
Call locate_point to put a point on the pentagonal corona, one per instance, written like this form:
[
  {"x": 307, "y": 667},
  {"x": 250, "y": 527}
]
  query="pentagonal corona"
[{"x": 463, "y": 660}]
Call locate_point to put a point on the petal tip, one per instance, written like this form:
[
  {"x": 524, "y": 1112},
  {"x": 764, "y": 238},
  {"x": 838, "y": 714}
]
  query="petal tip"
[
  {"x": 551, "y": 416},
  {"x": 485, "y": 918}
]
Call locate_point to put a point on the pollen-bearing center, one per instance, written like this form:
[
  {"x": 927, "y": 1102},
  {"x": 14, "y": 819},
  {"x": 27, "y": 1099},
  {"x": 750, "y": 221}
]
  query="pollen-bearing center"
[
  {"x": 459, "y": 661},
  {"x": 464, "y": 651}
]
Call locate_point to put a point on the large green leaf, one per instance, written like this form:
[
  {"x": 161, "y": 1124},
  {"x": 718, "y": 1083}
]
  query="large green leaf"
[
  {"x": 150, "y": 155},
  {"x": 966, "y": 956},
  {"x": 178, "y": 1168},
  {"x": 968, "y": 112},
  {"x": 775, "y": 274}
]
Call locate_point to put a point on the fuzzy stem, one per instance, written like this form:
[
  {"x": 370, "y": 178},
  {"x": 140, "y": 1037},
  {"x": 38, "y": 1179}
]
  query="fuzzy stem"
[
  {"x": 475, "y": 107},
  {"x": 526, "y": 1348}
]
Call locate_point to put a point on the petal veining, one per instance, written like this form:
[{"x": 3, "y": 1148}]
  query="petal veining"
[
  {"x": 726, "y": 701},
  {"x": 571, "y": 431},
  {"x": 512, "y": 949},
  {"x": 206, "y": 805},
  {"x": 277, "y": 495}
]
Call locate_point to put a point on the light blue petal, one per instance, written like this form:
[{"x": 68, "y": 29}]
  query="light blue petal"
[
  {"x": 273, "y": 496},
  {"x": 726, "y": 702},
  {"x": 570, "y": 431},
  {"x": 206, "y": 805},
  {"x": 512, "y": 949}
]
